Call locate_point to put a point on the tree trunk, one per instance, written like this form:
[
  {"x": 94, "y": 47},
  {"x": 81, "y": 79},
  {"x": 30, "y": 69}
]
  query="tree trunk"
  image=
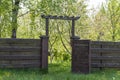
[
  {"x": 0, "y": 19},
  {"x": 14, "y": 17}
]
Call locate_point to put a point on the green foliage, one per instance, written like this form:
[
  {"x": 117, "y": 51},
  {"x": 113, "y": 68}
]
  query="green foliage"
[
  {"x": 5, "y": 14},
  {"x": 106, "y": 21},
  {"x": 112, "y": 12}
]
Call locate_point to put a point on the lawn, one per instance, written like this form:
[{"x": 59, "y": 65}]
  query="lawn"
[{"x": 57, "y": 72}]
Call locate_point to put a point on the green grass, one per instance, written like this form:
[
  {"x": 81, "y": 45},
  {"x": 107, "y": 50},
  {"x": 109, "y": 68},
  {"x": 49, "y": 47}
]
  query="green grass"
[{"x": 57, "y": 72}]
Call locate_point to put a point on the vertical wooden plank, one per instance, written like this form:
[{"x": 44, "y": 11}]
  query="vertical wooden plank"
[
  {"x": 101, "y": 54},
  {"x": 73, "y": 28},
  {"x": 44, "y": 52},
  {"x": 89, "y": 56},
  {"x": 47, "y": 26}
]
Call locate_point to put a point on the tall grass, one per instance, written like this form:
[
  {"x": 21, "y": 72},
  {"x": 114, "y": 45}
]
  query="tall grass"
[{"x": 57, "y": 72}]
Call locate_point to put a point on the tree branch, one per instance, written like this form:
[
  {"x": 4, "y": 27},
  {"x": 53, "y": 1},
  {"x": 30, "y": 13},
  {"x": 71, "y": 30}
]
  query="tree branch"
[{"x": 24, "y": 14}]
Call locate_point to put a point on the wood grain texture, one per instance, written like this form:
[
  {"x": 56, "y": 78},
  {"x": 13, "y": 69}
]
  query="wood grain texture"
[
  {"x": 81, "y": 62},
  {"x": 20, "y": 53}
]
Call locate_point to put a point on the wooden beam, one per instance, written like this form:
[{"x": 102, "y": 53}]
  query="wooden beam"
[
  {"x": 105, "y": 50},
  {"x": 12, "y": 48},
  {"x": 19, "y": 57},
  {"x": 106, "y": 65},
  {"x": 105, "y": 57},
  {"x": 22, "y": 65},
  {"x": 60, "y": 17}
]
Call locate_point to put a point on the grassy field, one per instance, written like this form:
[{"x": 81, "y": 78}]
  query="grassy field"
[{"x": 57, "y": 72}]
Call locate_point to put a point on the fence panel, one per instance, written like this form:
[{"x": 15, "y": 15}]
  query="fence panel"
[
  {"x": 110, "y": 54},
  {"x": 24, "y": 53},
  {"x": 94, "y": 54}
]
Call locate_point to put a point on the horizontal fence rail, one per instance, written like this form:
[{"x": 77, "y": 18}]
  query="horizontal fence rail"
[
  {"x": 23, "y": 65},
  {"x": 105, "y": 57},
  {"x": 104, "y": 50},
  {"x": 19, "y": 57},
  {"x": 17, "y": 48},
  {"x": 108, "y": 65}
]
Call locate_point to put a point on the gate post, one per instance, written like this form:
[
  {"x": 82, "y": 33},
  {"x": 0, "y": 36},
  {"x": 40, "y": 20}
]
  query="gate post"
[
  {"x": 73, "y": 65},
  {"x": 44, "y": 52},
  {"x": 81, "y": 56}
]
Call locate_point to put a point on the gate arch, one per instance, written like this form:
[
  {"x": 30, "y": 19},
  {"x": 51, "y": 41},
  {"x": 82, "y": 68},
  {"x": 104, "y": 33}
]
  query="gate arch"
[{"x": 73, "y": 37}]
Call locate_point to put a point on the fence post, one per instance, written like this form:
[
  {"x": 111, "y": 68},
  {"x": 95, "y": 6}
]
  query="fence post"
[
  {"x": 81, "y": 56},
  {"x": 44, "y": 52}
]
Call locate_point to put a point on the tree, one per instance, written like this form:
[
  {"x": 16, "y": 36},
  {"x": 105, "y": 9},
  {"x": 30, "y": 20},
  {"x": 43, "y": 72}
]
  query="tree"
[
  {"x": 100, "y": 24},
  {"x": 15, "y": 8},
  {"x": 5, "y": 18},
  {"x": 106, "y": 21},
  {"x": 112, "y": 11}
]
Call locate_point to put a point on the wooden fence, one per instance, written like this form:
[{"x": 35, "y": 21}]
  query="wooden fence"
[
  {"x": 88, "y": 54},
  {"x": 24, "y": 53}
]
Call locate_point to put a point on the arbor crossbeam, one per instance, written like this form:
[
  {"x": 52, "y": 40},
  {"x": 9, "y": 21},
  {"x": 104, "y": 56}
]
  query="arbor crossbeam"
[{"x": 60, "y": 17}]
